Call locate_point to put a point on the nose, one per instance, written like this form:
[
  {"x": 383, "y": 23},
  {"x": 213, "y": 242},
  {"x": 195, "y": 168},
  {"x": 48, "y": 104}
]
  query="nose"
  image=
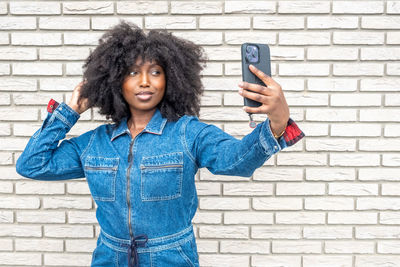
[{"x": 144, "y": 80}]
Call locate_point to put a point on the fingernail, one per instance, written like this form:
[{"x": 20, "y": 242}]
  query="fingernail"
[
  {"x": 240, "y": 84},
  {"x": 240, "y": 91}
]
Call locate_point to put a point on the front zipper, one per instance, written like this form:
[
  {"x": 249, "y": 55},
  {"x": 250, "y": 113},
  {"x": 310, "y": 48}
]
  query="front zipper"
[
  {"x": 100, "y": 168},
  {"x": 161, "y": 166},
  {"x": 128, "y": 191}
]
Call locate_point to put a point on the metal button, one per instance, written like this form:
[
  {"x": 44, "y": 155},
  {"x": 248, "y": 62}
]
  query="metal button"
[
  {"x": 60, "y": 108},
  {"x": 276, "y": 147}
]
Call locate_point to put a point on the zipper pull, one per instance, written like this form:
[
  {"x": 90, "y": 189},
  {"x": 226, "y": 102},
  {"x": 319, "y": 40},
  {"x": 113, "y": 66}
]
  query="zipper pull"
[{"x": 252, "y": 123}]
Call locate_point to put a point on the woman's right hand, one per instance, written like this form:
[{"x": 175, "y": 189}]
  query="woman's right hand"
[{"x": 73, "y": 102}]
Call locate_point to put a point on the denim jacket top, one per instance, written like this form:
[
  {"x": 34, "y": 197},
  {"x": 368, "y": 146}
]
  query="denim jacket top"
[{"x": 144, "y": 185}]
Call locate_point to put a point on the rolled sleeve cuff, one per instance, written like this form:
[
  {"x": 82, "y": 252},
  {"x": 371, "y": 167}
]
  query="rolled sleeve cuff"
[
  {"x": 66, "y": 114},
  {"x": 267, "y": 139}
]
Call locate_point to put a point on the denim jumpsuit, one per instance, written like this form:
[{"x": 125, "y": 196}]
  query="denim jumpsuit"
[{"x": 144, "y": 187}]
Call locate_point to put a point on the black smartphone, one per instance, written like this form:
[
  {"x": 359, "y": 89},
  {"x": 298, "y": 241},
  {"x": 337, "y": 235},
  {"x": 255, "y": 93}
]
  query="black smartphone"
[{"x": 259, "y": 56}]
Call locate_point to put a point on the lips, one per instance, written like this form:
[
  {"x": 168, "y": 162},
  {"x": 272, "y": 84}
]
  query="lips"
[{"x": 144, "y": 95}]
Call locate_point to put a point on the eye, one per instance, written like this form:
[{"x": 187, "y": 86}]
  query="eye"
[
  {"x": 133, "y": 73},
  {"x": 155, "y": 72}
]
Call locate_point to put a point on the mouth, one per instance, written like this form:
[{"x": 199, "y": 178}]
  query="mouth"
[{"x": 144, "y": 95}]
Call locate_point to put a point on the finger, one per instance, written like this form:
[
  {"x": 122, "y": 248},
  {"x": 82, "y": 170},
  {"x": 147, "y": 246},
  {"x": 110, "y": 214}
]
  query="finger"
[
  {"x": 263, "y": 77},
  {"x": 254, "y": 110},
  {"x": 254, "y": 96},
  {"x": 255, "y": 88}
]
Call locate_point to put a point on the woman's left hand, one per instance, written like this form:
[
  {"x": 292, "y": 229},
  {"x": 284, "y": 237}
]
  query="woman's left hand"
[{"x": 273, "y": 102}]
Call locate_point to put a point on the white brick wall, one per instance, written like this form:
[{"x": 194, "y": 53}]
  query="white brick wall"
[{"x": 330, "y": 201}]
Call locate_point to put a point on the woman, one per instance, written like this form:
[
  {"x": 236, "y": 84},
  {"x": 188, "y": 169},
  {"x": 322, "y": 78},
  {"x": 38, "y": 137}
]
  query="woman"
[{"x": 141, "y": 168}]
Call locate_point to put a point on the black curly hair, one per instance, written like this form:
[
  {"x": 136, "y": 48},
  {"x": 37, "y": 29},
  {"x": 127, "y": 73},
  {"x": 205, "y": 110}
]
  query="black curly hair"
[{"x": 108, "y": 64}]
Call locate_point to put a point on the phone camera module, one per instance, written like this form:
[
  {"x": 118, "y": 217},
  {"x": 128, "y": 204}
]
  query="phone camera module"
[{"x": 252, "y": 53}]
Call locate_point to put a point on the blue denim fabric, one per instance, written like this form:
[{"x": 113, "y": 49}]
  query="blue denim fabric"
[{"x": 146, "y": 182}]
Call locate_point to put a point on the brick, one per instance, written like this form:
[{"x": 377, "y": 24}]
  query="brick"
[
  {"x": 62, "y": 259},
  {"x": 355, "y": 130},
  {"x": 37, "y": 8},
  {"x": 373, "y": 261},
  {"x": 19, "y": 202},
  {"x": 390, "y": 190},
  {"x": 231, "y": 22},
  {"x": 278, "y": 174},
  {"x": 3, "y": 8},
  {"x": 379, "y": 145},
  {"x": 331, "y": 203},
  {"x": 5, "y": 129},
  {"x": 392, "y": 130},
  {"x": 386, "y": 53},
  {"x": 13, "y": 144},
  {"x": 306, "y": 99},
  {"x": 40, "y": 39},
  {"x": 142, "y": 7},
  {"x": 64, "y": 23},
  {"x": 276, "y": 261},
  {"x": 84, "y": 38},
  {"x": 349, "y": 247},
  {"x": 290, "y": 84},
  {"x": 234, "y": 232},
  {"x": 80, "y": 245},
  {"x": 339, "y": 115},
  {"x": 379, "y": 115},
  {"x": 106, "y": 22},
  {"x": 67, "y": 203},
  {"x": 58, "y": 84},
  {"x": 332, "y": 22},
  {"x": 6, "y": 216},
  {"x": 223, "y": 53},
  {"x": 331, "y": 174},
  {"x": 276, "y": 203},
  {"x": 382, "y": 203},
  {"x": 331, "y": 261},
  {"x": 392, "y": 100},
  {"x": 393, "y": 7},
  {"x": 381, "y": 174},
  {"x": 303, "y": 7},
  {"x": 37, "y": 68},
  {"x": 204, "y": 188},
  {"x": 381, "y": 84},
  {"x": 384, "y": 22},
  {"x": 207, "y": 217},
  {"x": 392, "y": 38},
  {"x": 286, "y": 53},
  {"x": 328, "y": 232},
  {"x": 334, "y": 84},
  {"x": 40, "y": 245},
  {"x": 206, "y": 246},
  {"x": 389, "y": 217},
  {"x": 6, "y": 244},
  {"x": 39, "y": 188},
  {"x": 18, "y": 23},
  {"x": 252, "y": 7},
  {"x": 82, "y": 7},
  {"x": 324, "y": 144},
  {"x": 20, "y": 231},
  {"x": 352, "y": 218},
  {"x": 64, "y": 53},
  {"x": 201, "y": 38},
  {"x": 72, "y": 68},
  {"x": 248, "y": 218},
  {"x": 357, "y": 69},
  {"x": 68, "y": 231},
  {"x": 175, "y": 22},
  {"x": 300, "y": 189},
  {"x": 8, "y": 258},
  {"x": 300, "y": 69},
  {"x": 211, "y": 99},
  {"x": 212, "y": 69},
  {"x": 377, "y": 232},
  {"x": 5, "y": 100},
  {"x": 353, "y": 189},
  {"x": 301, "y": 159},
  {"x": 297, "y": 246},
  {"x": 300, "y": 217},
  {"x": 4, "y": 39},
  {"x": 5, "y": 69},
  {"x": 218, "y": 203},
  {"x": 253, "y": 189},
  {"x": 40, "y": 217},
  {"x": 11, "y": 53},
  {"x": 186, "y": 7},
  {"x": 18, "y": 84},
  {"x": 354, "y": 159},
  {"x": 34, "y": 99},
  {"x": 355, "y": 7},
  {"x": 221, "y": 260},
  {"x": 237, "y": 37},
  {"x": 276, "y": 232},
  {"x": 225, "y": 114},
  {"x": 391, "y": 160},
  {"x": 26, "y": 129},
  {"x": 275, "y": 23},
  {"x": 353, "y": 38},
  {"x": 259, "y": 247},
  {"x": 388, "y": 247},
  {"x": 332, "y": 53},
  {"x": 82, "y": 217}
]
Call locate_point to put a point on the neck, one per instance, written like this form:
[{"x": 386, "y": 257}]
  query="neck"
[{"x": 139, "y": 120}]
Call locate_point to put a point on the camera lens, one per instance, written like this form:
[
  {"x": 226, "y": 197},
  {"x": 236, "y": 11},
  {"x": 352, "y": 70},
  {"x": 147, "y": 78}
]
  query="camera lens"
[{"x": 252, "y": 53}]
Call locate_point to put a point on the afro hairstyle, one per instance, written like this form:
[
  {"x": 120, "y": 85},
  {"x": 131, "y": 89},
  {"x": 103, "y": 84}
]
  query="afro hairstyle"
[{"x": 119, "y": 48}]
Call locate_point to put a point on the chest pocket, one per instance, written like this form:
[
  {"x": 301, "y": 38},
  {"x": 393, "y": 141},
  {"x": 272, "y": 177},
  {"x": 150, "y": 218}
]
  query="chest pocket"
[
  {"x": 161, "y": 177},
  {"x": 101, "y": 175}
]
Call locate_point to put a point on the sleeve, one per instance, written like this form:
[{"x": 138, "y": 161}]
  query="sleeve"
[
  {"x": 221, "y": 153},
  {"x": 43, "y": 158}
]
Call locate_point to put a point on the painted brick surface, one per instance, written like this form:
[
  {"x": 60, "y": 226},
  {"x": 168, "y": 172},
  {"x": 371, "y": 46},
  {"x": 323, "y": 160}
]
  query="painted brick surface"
[{"x": 332, "y": 200}]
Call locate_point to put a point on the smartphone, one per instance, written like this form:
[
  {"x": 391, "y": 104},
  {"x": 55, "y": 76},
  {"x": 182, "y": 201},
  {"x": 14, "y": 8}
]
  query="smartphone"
[{"x": 259, "y": 56}]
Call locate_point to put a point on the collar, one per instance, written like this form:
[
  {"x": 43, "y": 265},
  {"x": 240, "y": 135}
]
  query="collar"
[{"x": 155, "y": 126}]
